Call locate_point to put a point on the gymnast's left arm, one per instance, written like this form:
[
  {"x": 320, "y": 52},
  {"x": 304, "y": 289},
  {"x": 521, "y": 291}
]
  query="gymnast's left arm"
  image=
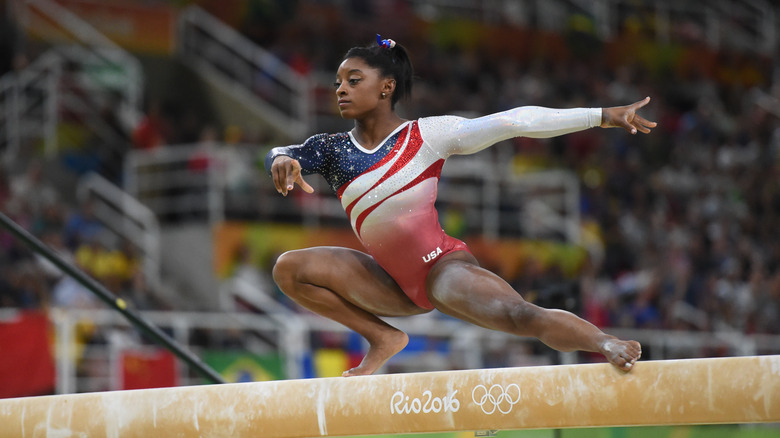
[{"x": 468, "y": 136}]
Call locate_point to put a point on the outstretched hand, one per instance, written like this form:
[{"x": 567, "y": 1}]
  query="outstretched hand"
[
  {"x": 626, "y": 117},
  {"x": 286, "y": 172}
]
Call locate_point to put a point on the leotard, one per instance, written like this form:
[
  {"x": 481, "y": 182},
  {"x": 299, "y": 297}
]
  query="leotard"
[{"x": 389, "y": 192}]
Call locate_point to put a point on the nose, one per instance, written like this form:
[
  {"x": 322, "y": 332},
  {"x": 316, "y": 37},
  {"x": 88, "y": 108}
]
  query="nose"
[{"x": 340, "y": 91}]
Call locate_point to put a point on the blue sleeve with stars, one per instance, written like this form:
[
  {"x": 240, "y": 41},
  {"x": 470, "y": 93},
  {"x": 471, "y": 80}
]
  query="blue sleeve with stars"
[{"x": 311, "y": 154}]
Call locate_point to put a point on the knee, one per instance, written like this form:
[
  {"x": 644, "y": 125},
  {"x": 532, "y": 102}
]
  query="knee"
[
  {"x": 301, "y": 266},
  {"x": 287, "y": 266}
]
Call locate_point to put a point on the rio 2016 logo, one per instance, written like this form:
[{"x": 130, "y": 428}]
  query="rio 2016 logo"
[
  {"x": 496, "y": 398},
  {"x": 401, "y": 403}
]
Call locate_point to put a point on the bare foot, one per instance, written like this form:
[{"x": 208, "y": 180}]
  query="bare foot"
[
  {"x": 622, "y": 354},
  {"x": 379, "y": 351}
]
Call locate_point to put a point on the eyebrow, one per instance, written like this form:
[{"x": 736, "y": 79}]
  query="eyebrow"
[{"x": 354, "y": 70}]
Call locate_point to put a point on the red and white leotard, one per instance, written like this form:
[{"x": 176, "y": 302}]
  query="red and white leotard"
[{"x": 389, "y": 192}]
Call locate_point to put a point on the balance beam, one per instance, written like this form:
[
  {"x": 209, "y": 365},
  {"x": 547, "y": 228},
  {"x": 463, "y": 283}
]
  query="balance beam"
[{"x": 693, "y": 391}]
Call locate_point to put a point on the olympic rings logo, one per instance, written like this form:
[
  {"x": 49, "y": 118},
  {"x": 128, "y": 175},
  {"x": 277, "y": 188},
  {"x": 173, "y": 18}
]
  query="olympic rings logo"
[{"x": 496, "y": 398}]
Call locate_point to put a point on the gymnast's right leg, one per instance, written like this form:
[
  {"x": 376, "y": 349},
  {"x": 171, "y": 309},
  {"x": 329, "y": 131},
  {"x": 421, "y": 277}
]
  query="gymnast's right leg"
[
  {"x": 459, "y": 287},
  {"x": 348, "y": 287}
]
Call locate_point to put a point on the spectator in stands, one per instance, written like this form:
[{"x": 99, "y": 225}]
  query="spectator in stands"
[
  {"x": 28, "y": 289},
  {"x": 70, "y": 294},
  {"x": 153, "y": 130},
  {"x": 54, "y": 239},
  {"x": 82, "y": 226},
  {"x": 35, "y": 191}
]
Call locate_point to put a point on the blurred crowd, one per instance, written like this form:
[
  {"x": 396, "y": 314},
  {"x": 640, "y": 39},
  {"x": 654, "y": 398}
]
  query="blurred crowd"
[
  {"x": 681, "y": 222},
  {"x": 70, "y": 228}
]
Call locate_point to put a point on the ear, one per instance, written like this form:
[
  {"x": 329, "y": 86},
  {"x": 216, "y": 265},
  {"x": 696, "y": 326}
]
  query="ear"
[{"x": 388, "y": 86}]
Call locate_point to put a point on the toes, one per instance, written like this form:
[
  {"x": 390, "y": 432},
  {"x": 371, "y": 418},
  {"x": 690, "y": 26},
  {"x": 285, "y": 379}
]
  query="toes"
[
  {"x": 628, "y": 361},
  {"x": 630, "y": 358},
  {"x": 629, "y": 364}
]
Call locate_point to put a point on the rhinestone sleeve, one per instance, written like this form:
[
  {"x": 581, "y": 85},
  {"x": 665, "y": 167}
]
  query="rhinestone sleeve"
[{"x": 457, "y": 135}]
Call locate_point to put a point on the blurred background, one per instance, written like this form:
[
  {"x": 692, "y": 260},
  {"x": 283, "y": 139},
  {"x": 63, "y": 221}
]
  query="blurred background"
[{"x": 132, "y": 135}]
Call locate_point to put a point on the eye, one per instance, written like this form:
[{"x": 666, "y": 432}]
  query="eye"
[
  {"x": 336, "y": 85},
  {"x": 354, "y": 81}
]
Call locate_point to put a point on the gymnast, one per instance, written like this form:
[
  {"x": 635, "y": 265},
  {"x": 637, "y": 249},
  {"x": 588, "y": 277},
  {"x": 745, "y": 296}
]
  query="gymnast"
[{"x": 385, "y": 172}]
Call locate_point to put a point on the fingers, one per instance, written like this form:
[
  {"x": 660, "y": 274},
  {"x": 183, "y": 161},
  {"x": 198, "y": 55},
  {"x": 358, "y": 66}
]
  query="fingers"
[
  {"x": 282, "y": 173},
  {"x": 627, "y": 125},
  {"x": 641, "y": 103},
  {"x": 296, "y": 178},
  {"x": 634, "y": 123},
  {"x": 278, "y": 174},
  {"x": 643, "y": 125},
  {"x": 286, "y": 173},
  {"x": 304, "y": 185},
  {"x": 290, "y": 180},
  {"x": 644, "y": 122}
]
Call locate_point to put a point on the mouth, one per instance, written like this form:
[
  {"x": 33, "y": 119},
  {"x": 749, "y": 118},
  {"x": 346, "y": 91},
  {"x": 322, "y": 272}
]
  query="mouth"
[{"x": 343, "y": 102}]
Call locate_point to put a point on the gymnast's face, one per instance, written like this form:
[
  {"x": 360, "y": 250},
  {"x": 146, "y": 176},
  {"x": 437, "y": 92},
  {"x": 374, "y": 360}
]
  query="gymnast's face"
[{"x": 359, "y": 88}]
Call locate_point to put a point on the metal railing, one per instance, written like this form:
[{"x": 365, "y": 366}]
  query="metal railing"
[
  {"x": 126, "y": 217},
  {"x": 83, "y": 79},
  {"x": 29, "y": 106},
  {"x": 55, "y": 23},
  {"x": 165, "y": 181},
  {"x": 246, "y": 71}
]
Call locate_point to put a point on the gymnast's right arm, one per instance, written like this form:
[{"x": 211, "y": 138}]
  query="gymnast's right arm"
[{"x": 286, "y": 165}]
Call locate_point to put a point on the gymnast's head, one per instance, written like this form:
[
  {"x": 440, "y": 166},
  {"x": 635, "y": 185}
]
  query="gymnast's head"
[{"x": 373, "y": 75}]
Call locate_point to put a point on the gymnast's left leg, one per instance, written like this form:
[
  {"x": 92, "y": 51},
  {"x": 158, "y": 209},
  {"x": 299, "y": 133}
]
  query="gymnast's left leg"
[{"x": 457, "y": 286}]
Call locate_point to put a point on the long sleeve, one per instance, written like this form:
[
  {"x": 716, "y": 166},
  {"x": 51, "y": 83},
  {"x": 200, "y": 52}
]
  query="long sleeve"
[
  {"x": 450, "y": 135},
  {"x": 310, "y": 155}
]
